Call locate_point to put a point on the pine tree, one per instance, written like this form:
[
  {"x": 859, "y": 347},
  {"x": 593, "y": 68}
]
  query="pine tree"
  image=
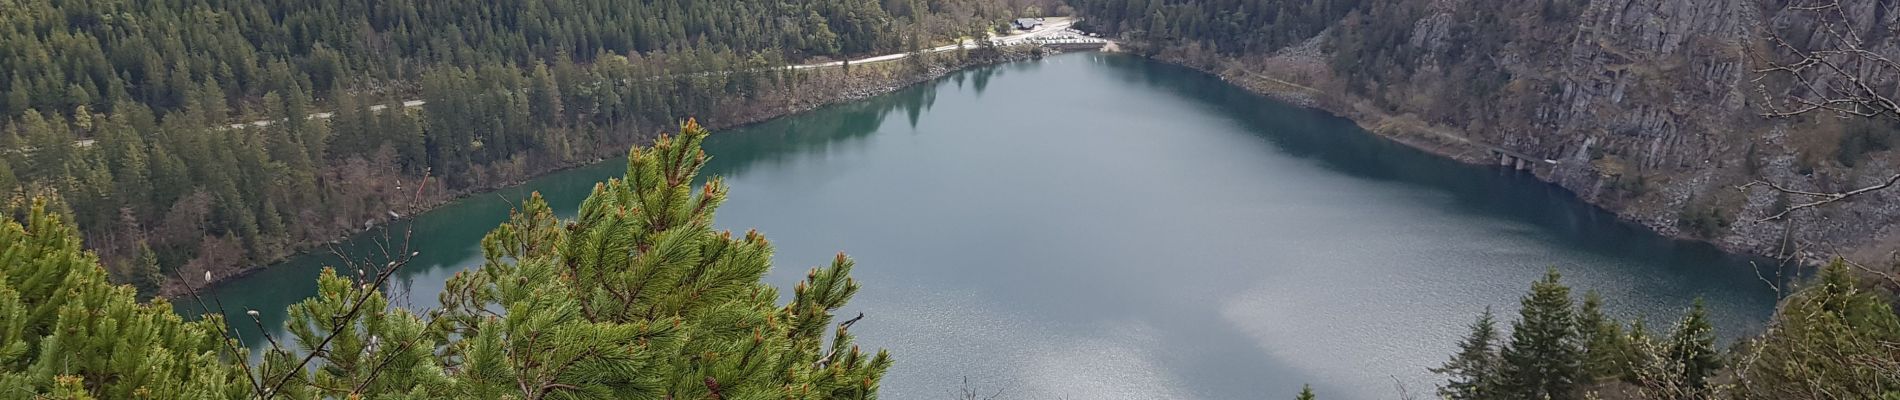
[
  {"x": 1605, "y": 348},
  {"x": 52, "y": 145},
  {"x": 1473, "y": 371},
  {"x": 67, "y": 333},
  {"x": 544, "y": 96},
  {"x": 389, "y": 353},
  {"x": 1306, "y": 393},
  {"x": 1543, "y": 359},
  {"x": 639, "y": 297},
  {"x": 16, "y": 98},
  {"x": 146, "y": 276},
  {"x": 1692, "y": 347},
  {"x": 8, "y": 182}
]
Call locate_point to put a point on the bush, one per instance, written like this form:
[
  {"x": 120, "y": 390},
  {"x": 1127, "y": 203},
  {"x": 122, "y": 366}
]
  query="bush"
[{"x": 1703, "y": 219}]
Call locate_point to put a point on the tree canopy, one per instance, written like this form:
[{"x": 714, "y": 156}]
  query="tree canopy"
[
  {"x": 636, "y": 297},
  {"x": 1833, "y": 339},
  {"x": 125, "y": 109}
]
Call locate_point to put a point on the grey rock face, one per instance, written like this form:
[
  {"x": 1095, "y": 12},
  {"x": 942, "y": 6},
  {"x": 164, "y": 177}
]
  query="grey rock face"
[{"x": 1669, "y": 90}]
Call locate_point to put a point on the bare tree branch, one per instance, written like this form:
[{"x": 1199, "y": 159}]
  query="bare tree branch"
[
  {"x": 1892, "y": 281},
  {"x": 1838, "y": 79},
  {"x": 224, "y": 325},
  {"x": 356, "y": 307},
  {"x": 969, "y": 393},
  {"x": 362, "y": 292},
  {"x": 1820, "y": 197}
]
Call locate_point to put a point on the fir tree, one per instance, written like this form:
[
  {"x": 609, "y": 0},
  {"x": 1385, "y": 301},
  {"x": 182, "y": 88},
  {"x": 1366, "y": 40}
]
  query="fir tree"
[
  {"x": 1543, "y": 359},
  {"x": 1473, "y": 371},
  {"x": 146, "y": 277},
  {"x": 1605, "y": 348},
  {"x": 544, "y": 95},
  {"x": 1306, "y": 393},
  {"x": 1692, "y": 347},
  {"x": 8, "y": 182}
]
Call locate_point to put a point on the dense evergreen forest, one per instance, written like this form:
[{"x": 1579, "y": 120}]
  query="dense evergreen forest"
[
  {"x": 123, "y": 108},
  {"x": 62, "y": 55},
  {"x": 636, "y": 297}
]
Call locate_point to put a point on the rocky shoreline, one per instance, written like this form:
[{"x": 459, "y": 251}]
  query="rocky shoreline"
[
  {"x": 1452, "y": 144},
  {"x": 1659, "y": 111},
  {"x": 863, "y": 82}
]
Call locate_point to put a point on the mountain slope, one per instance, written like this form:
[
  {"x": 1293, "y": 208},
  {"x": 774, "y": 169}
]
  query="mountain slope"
[{"x": 1650, "y": 108}]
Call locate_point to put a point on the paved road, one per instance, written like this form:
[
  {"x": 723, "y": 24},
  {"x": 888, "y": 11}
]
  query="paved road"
[
  {"x": 1000, "y": 41},
  {"x": 325, "y": 115},
  {"x": 1010, "y": 40}
]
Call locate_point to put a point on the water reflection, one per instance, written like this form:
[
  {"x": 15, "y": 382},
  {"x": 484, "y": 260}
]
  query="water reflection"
[
  {"x": 1480, "y": 191},
  {"x": 1098, "y": 226},
  {"x": 447, "y": 239}
]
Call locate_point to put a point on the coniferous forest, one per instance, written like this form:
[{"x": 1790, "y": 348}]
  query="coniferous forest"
[
  {"x": 144, "y": 144},
  {"x": 647, "y": 303},
  {"x": 132, "y": 160},
  {"x": 126, "y": 109}
]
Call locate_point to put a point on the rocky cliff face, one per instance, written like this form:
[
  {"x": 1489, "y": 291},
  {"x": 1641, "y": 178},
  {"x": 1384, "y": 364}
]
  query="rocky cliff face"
[
  {"x": 1666, "y": 92},
  {"x": 1651, "y": 114},
  {"x": 1652, "y": 109}
]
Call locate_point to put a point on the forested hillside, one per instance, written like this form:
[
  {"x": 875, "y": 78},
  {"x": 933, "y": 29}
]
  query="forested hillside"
[
  {"x": 121, "y": 107},
  {"x": 1655, "y": 109},
  {"x": 62, "y": 55},
  {"x": 636, "y": 297}
]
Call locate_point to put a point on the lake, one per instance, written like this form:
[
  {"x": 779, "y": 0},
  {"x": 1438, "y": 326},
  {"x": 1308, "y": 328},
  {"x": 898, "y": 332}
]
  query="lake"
[{"x": 1099, "y": 226}]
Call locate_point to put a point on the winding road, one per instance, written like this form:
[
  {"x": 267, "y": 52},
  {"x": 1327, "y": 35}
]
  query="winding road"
[{"x": 1056, "y": 26}]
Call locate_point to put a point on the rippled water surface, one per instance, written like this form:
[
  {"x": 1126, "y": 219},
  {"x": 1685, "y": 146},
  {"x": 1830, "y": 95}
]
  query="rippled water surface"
[{"x": 1099, "y": 226}]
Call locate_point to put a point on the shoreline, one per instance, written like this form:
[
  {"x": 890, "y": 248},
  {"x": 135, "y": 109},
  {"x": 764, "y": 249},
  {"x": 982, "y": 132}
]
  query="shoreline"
[
  {"x": 173, "y": 287},
  {"x": 1432, "y": 140},
  {"x": 1450, "y": 144}
]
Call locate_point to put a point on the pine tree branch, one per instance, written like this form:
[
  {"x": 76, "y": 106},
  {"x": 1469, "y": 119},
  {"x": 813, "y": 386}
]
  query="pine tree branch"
[
  {"x": 847, "y": 323},
  {"x": 243, "y": 360},
  {"x": 260, "y": 329},
  {"x": 363, "y": 293},
  {"x": 356, "y": 308},
  {"x": 825, "y": 360},
  {"x": 562, "y": 386},
  {"x": 1892, "y": 281},
  {"x": 374, "y": 371}
]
